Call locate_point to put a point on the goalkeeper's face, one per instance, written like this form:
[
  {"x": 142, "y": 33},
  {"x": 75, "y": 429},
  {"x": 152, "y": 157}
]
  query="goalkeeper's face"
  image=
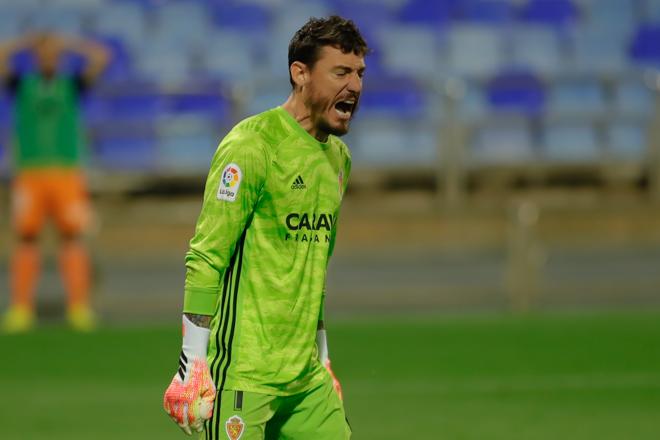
[{"x": 332, "y": 92}]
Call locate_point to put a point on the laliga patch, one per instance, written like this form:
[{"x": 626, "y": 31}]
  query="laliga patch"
[
  {"x": 229, "y": 183},
  {"x": 234, "y": 427}
]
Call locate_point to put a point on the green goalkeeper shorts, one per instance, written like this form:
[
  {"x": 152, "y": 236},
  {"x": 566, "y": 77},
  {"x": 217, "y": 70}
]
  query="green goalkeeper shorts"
[{"x": 315, "y": 414}]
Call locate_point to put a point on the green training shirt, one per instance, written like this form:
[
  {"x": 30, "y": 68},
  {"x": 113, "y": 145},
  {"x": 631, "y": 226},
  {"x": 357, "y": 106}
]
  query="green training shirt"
[
  {"x": 48, "y": 132},
  {"x": 259, "y": 256}
]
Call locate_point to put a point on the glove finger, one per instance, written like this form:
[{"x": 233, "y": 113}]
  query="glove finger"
[
  {"x": 183, "y": 424},
  {"x": 198, "y": 426},
  {"x": 185, "y": 428}
]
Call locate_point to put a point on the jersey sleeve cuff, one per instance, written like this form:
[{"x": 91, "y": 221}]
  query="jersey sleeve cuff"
[{"x": 199, "y": 300}]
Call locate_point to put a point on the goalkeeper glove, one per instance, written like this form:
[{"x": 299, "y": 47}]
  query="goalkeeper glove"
[
  {"x": 322, "y": 344},
  {"x": 189, "y": 398}
]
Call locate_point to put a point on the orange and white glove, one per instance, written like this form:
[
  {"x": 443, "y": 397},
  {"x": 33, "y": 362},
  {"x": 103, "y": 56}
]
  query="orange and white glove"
[
  {"x": 322, "y": 345},
  {"x": 189, "y": 398}
]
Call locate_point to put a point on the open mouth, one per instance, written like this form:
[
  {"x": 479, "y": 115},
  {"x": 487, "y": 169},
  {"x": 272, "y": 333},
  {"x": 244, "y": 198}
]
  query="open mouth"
[{"x": 345, "y": 108}]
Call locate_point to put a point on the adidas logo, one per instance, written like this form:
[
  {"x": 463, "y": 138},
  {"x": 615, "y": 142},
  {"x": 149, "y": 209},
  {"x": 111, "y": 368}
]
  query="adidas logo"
[{"x": 298, "y": 183}]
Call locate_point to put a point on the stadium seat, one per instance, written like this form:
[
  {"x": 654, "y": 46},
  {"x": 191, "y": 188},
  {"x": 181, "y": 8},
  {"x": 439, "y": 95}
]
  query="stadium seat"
[
  {"x": 627, "y": 141},
  {"x": 645, "y": 49},
  {"x": 249, "y": 18},
  {"x": 266, "y": 95},
  {"x": 394, "y": 96},
  {"x": 423, "y": 12},
  {"x": 121, "y": 19},
  {"x": 11, "y": 21},
  {"x": 598, "y": 50},
  {"x": 570, "y": 143},
  {"x": 536, "y": 48},
  {"x": 576, "y": 99},
  {"x": 60, "y": 19},
  {"x": 502, "y": 142},
  {"x": 634, "y": 99},
  {"x": 495, "y": 12},
  {"x": 410, "y": 50},
  {"x": 186, "y": 144},
  {"x": 120, "y": 66},
  {"x": 549, "y": 12},
  {"x": 388, "y": 141},
  {"x": 651, "y": 11},
  {"x": 210, "y": 106},
  {"x": 475, "y": 51},
  {"x": 124, "y": 154},
  {"x": 616, "y": 15},
  {"x": 516, "y": 92},
  {"x": 228, "y": 56},
  {"x": 184, "y": 25}
]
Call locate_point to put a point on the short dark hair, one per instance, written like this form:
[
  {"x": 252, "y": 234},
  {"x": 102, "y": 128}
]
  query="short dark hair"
[{"x": 334, "y": 31}]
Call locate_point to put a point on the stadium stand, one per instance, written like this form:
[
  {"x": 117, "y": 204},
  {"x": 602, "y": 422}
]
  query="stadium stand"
[{"x": 544, "y": 81}]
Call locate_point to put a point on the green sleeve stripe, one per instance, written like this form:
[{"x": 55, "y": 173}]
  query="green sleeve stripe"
[{"x": 199, "y": 300}]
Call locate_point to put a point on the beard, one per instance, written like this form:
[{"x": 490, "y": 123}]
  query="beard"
[{"x": 320, "y": 107}]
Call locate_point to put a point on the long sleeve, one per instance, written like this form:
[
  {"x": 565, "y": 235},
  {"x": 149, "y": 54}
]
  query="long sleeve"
[{"x": 233, "y": 187}]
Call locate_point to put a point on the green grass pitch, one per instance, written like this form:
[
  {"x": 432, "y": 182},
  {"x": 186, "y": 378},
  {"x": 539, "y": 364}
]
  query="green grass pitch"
[{"x": 555, "y": 376}]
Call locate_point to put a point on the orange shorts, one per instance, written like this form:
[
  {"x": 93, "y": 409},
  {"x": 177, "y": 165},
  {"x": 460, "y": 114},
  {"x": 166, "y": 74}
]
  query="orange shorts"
[{"x": 60, "y": 194}]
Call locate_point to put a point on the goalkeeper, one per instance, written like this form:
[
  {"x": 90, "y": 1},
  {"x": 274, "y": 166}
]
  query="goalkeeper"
[{"x": 254, "y": 363}]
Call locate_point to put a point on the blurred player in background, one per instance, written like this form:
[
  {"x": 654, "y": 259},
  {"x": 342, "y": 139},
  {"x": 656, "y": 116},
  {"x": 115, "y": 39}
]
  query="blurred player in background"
[
  {"x": 48, "y": 178},
  {"x": 256, "y": 268}
]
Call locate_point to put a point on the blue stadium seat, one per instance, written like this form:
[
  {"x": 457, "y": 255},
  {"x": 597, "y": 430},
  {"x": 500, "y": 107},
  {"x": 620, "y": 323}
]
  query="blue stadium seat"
[
  {"x": 250, "y": 18},
  {"x": 496, "y": 12},
  {"x": 146, "y": 107},
  {"x": 570, "y": 143},
  {"x": 424, "y": 12},
  {"x": 369, "y": 18},
  {"x": 206, "y": 105},
  {"x": 550, "y": 12},
  {"x": 136, "y": 154},
  {"x": 634, "y": 99},
  {"x": 645, "y": 49},
  {"x": 474, "y": 50},
  {"x": 536, "y": 48},
  {"x": 576, "y": 99},
  {"x": 627, "y": 141},
  {"x": 394, "y": 96},
  {"x": 120, "y": 66},
  {"x": 516, "y": 92},
  {"x": 502, "y": 142}
]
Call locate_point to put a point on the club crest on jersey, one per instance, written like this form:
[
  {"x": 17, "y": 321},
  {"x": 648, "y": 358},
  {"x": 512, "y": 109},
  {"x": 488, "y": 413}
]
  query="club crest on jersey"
[
  {"x": 234, "y": 427},
  {"x": 229, "y": 183}
]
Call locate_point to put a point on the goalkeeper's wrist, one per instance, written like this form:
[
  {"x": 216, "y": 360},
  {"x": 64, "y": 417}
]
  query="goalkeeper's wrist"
[
  {"x": 322, "y": 345},
  {"x": 195, "y": 339}
]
